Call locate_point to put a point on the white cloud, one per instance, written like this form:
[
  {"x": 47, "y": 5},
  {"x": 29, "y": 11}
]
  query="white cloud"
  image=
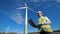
[
  {"x": 35, "y": 1},
  {"x": 17, "y": 15},
  {"x": 18, "y": 18},
  {"x": 57, "y": 1}
]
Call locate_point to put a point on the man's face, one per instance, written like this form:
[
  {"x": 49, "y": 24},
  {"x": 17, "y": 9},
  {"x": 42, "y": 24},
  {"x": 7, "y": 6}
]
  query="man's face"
[{"x": 40, "y": 14}]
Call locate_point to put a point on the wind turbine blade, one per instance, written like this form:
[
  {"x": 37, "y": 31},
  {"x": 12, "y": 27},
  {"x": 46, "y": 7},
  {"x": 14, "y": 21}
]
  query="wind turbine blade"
[
  {"x": 21, "y": 8},
  {"x": 31, "y": 9},
  {"x": 8, "y": 27},
  {"x": 26, "y": 5}
]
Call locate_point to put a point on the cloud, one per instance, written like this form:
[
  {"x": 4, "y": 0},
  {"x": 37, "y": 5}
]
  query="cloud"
[
  {"x": 35, "y": 1},
  {"x": 17, "y": 18},
  {"x": 17, "y": 15},
  {"x": 57, "y": 1}
]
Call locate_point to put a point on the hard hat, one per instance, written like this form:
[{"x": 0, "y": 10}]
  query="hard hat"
[{"x": 39, "y": 11}]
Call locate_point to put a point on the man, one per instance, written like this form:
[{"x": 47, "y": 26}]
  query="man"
[{"x": 44, "y": 24}]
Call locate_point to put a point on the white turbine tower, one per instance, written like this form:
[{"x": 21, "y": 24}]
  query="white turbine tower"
[
  {"x": 7, "y": 29},
  {"x": 26, "y": 16}
]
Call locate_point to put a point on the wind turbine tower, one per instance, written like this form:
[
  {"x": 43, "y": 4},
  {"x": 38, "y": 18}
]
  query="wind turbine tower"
[{"x": 26, "y": 17}]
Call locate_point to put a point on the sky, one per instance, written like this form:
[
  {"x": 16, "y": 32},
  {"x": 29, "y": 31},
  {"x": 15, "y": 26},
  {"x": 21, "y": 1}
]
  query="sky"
[{"x": 15, "y": 18}]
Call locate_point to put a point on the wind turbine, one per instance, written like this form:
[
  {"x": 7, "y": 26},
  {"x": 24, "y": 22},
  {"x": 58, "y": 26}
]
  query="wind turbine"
[
  {"x": 7, "y": 29},
  {"x": 26, "y": 16}
]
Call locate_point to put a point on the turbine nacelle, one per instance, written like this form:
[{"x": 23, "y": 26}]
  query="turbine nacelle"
[{"x": 23, "y": 7}]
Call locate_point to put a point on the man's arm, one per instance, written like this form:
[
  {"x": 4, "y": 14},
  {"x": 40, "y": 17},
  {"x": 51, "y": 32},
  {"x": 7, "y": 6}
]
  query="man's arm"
[{"x": 47, "y": 21}]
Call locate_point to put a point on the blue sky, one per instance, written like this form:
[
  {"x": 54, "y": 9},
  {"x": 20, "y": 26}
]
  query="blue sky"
[{"x": 10, "y": 16}]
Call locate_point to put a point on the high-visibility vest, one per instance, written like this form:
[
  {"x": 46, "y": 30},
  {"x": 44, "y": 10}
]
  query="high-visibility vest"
[
  {"x": 44, "y": 27},
  {"x": 41, "y": 20}
]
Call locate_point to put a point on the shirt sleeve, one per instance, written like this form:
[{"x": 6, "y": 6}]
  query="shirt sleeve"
[{"x": 48, "y": 20}]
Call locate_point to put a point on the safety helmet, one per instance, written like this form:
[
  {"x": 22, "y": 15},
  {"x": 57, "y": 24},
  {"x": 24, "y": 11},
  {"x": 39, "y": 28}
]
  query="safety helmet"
[{"x": 39, "y": 12}]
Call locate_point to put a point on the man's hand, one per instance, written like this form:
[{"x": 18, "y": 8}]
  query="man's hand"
[
  {"x": 45, "y": 23},
  {"x": 42, "y": 23}
]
